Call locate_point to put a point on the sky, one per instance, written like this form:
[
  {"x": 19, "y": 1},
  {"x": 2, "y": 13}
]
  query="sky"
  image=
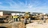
[{"x": 25, "y": 5}]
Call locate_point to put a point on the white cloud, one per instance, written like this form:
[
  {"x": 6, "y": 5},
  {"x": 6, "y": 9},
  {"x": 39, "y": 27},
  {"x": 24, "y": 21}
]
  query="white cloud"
[{"x": 24, "y": 7}]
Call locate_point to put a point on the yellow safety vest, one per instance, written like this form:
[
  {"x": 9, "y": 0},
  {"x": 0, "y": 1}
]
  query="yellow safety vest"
[{"x": 15, "y": 16}]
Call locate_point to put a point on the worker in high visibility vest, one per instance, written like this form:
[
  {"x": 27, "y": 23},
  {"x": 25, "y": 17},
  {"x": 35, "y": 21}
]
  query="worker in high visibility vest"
[{"x": 15, "y": 17}]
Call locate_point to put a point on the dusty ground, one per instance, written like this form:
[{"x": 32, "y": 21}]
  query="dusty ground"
[
  {"x": 34, "y": 25},
  {"x": 37, "y": 24}
]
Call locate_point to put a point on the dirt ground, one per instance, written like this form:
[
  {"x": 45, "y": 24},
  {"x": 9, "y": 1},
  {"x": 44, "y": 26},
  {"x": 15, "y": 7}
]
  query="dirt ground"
[{"x": 37, "y": 24}]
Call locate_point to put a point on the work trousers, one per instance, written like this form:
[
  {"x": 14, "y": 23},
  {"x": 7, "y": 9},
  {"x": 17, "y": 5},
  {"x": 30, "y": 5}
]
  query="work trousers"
[{"x": 15, "y": 19}]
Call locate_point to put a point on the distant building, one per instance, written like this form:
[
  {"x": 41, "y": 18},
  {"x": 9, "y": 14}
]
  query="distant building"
[
  {"x": 3, "y": 12},
  {"x": 36, "y": 13}
]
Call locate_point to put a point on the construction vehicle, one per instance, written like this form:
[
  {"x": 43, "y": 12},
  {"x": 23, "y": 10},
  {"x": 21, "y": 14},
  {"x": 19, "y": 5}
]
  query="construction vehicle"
[{"x": 26, "y": 15}]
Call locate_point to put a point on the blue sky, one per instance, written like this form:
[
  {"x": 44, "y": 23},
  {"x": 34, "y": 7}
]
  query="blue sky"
[{"x": 25, "y": 5}]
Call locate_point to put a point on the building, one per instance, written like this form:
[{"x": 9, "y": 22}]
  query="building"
[{"x": 4, "y": 12}]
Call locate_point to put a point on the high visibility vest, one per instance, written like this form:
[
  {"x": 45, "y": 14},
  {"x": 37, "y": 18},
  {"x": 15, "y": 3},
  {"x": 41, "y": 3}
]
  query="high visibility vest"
[{"x": 15, "y": 16}]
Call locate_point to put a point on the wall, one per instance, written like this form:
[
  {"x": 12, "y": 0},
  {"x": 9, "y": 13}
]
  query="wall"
[{"x": 1, "y": 13}]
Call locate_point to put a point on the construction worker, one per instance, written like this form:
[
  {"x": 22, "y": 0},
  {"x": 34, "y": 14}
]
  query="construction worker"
[
  {"x": 18, "y": 17},
  {"x": 15, "y": 17},
  {"x": 22, "y": 19}
]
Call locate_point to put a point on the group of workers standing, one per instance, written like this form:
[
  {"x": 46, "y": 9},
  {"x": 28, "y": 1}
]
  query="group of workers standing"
[
  {"x": 24, "y": 18},
  {"x": 15, "y": 17}
]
